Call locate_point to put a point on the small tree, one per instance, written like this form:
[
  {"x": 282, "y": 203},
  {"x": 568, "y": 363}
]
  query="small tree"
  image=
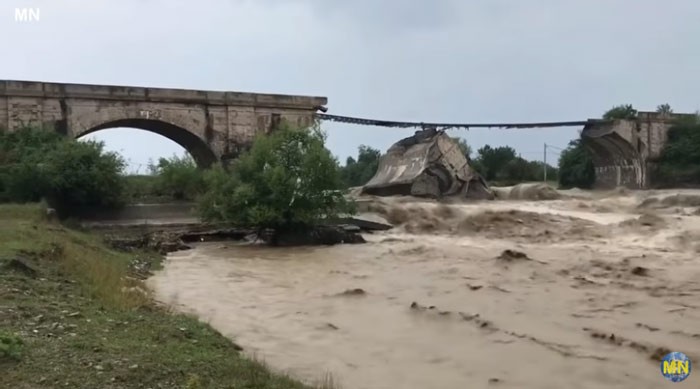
[
  {"x": 219, "y": 201},
  {"x": 288, "y": 180},
  {"x": 38, "y": 163},
  {"x": 679, "y": 162},
  {"x": 19, "y": 178},
  {"x": 82, "y": 173},
  {"x": 493, "y": 160},
  {"x": 356, "y": 173},
  {"x": 625, "y": 111},
  {"x": 576, "y": 166},
  {"x": 517, "y": 170},
  {"x": 178, "y": 177},
  {"x": 664, "y": 109},
  {"x": 463, "y": 146}
]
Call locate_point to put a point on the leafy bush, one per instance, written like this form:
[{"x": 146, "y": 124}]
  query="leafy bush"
[
  {"x": 16, "y": 179},
  {"x": 178, "y": 178},
  {"x": 625, "y": 111},
  {"x": 681, "y": 147},
  {"x": 493, "y": 160},
  {"x": 664, "y": 109},
  {"x": 287, "y": 180},
  {"x": 518, "y": 170},
  {"x": 576, "y": 167},
  {"x": 81, "y": 173},
  {"x": 142, "y": 188},
  {"x": 679, "y": 162},
  {"x": 10, "y": 346},
  {"x": 357, "y": 173},
  {"x": 38, "y": 163},
  {"x": 463, "y": 146},
  {"x": 217, "y": 202}
]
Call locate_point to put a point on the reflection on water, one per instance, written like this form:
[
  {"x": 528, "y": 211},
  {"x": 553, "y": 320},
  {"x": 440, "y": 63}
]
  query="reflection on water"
[{"x": 287, "y": 306}]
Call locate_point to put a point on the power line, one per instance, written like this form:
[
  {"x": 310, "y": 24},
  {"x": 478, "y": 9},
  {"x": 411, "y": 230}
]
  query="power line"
[
  {"x": 538, "y": 152},
  {"x": 444, "y": 126},
  {"x": 556, "y": 147}
]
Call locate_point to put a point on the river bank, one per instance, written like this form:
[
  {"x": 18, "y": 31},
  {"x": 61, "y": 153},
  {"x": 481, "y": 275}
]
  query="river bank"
[{"x": 76, "y": 314}]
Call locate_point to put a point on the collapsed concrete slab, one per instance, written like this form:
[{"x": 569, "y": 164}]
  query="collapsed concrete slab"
[{"x": 427, "y": 164}]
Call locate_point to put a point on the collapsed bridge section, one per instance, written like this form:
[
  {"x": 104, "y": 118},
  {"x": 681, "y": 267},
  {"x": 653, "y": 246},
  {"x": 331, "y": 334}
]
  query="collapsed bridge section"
[{"x": 427, "y": 164}]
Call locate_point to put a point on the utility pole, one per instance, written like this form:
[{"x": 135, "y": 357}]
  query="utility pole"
[{"x": 545, "y": 163}]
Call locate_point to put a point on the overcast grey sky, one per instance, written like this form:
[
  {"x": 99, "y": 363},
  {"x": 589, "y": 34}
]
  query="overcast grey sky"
[{"x": 439, "y": 60}]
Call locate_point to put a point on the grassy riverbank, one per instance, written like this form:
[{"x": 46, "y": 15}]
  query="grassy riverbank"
[{"x": 74, "y": 314}]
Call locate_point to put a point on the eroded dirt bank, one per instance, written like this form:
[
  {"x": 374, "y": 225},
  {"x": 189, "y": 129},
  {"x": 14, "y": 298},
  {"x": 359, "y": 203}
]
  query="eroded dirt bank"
[{"x": 577, "y": 293}]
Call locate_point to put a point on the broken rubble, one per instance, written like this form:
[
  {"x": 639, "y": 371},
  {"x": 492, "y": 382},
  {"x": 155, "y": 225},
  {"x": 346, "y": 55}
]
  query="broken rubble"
[{"x": 427, "y": 164}]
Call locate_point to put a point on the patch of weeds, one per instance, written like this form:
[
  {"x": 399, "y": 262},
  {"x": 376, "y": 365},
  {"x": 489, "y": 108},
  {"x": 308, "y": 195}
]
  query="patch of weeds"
[
  {"x": 193, "y": 382},
  {"x": 10, "y": 346}
]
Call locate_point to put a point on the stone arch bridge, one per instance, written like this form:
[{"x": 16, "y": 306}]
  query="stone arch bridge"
[
  {"x": 211, "y": 125},
  {"x": 625, "y": 151}
]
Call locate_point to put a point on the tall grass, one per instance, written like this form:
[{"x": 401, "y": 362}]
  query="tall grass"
[{"x": 82, "y": 256}]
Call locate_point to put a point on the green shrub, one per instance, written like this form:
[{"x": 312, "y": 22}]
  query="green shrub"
[
  {"x": 142, "y": 187},
  {"x": 10, "y": 346},
  {"x": 492, "y": 160},
  {"x": 287, "y": 180},
  {"x": 37, "y": 163},
  {"x": 624, "y": 111},
  {"x": 178, "y": 178},
  {"x": 357, "y": 173},
  {"x": 679, "y": 162},
  {"x": 576, "y": 167},
  {"x": 82, "y": 173}
]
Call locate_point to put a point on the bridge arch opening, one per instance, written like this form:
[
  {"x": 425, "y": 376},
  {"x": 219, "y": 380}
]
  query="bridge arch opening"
[{"x": 195, "y": 146}]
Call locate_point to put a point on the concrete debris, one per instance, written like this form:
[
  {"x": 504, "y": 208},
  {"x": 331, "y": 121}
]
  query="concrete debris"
[{"x": 427, "y": 164}]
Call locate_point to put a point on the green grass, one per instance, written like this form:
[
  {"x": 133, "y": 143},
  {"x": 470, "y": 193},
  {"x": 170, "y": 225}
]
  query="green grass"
[
  {"x": 144, "y": 189},
  {"x": 78, "y": 318}
]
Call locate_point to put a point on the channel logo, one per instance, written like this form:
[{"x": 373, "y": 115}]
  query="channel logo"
[{"x": 676, "y": 367}]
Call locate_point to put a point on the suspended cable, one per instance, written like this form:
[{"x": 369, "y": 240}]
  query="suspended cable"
[
  {"x": 444, "y": 126},
  {"x": 556, "y": 147}
]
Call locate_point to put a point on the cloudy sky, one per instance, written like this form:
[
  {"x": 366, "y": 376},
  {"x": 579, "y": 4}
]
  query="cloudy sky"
[{"x": 441, "y": 60}]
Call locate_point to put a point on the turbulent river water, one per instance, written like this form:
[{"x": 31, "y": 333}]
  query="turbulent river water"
[{"x": 590, "y": 295}]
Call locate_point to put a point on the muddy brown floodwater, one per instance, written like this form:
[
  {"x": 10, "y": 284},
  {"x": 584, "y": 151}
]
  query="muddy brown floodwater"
[{"x": 589, "y": 295}]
